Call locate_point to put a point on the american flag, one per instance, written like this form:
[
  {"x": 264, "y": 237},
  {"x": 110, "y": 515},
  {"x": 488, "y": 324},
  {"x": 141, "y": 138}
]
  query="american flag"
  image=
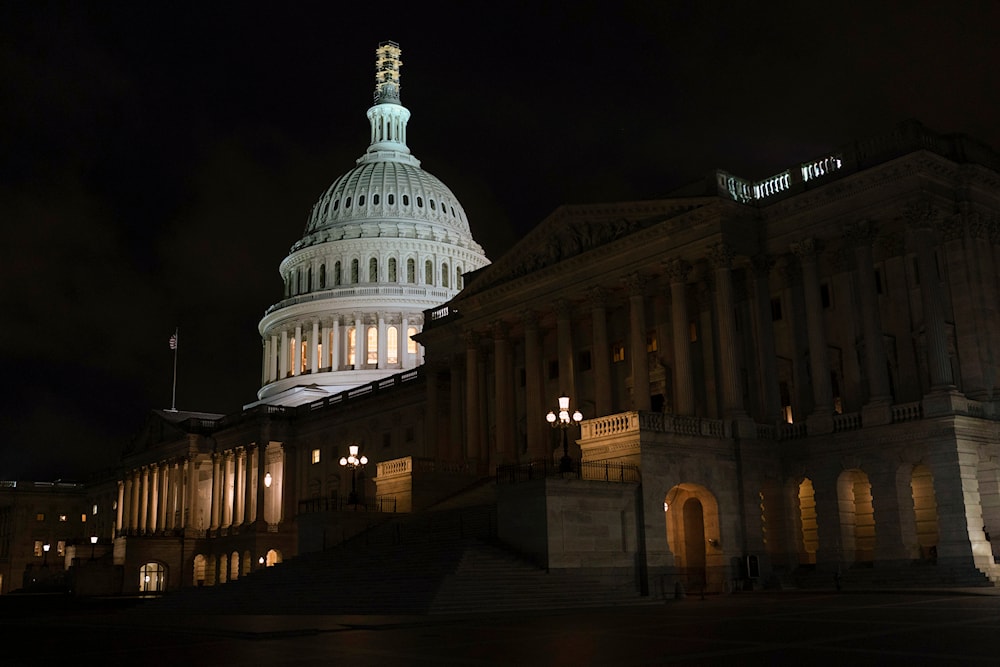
[{"x": 173, "y": 341}]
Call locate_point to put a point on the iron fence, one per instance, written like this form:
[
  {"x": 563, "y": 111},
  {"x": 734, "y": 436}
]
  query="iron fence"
[{"x": 600, "y": 471}]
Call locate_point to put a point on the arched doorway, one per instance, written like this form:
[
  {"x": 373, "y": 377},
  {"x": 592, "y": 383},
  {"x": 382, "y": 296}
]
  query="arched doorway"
[
  {"x": 857, "y": 517},
  {"x": 199, "y": 570},
  {"x": 223, "y": 569},
  {"x": 152, "y": 578},
  {"x": 692, "y": 518},
  {"x": 234, "y": 566},
  {"x": 247, "y": 563},
  {"x": 807, "y": 523},
  {"x": 925, "y": 510},
  {"x": 273, "y": 557}
]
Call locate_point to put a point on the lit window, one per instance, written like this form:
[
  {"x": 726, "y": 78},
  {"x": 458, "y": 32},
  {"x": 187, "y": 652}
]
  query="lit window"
[
  {"x": 411, "y": 345},
  {"x": 303, "y": 359},
  {"x": 83, "y": 518},
  {"x": 392, "y": 346},
  {"x": 61, "y": 548},
  {"x": 38, "y": 548},
  {"x": 651, "y": 345},
  {"x": 693, "y": 331},
  {"x": 372, "y": 345},
  {"x": 315, "y": 456},
  {"x": 94, "y": 510},
  {"x": 352, "y": 345},
  {"x": 40, "y": 516},
  {"x": 617, "y": 352}
]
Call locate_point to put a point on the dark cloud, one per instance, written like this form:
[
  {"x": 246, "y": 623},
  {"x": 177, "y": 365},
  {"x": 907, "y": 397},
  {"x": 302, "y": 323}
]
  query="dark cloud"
[{"x": 157, "y": 160}]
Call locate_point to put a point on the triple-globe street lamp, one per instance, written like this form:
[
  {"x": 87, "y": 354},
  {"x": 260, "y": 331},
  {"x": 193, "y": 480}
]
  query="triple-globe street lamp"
[
  {"x": 562, "y": 419},
  {"x": 353, "y": 461}
]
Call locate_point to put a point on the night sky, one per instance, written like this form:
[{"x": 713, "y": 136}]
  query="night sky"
[{"x": 158, "y": 160}]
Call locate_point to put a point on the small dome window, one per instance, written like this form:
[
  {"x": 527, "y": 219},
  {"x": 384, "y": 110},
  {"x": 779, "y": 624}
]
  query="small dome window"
[
  {"x": 347, "y": 203},
  {"x": 336, "y": 203},
  {"x": 406, "y": 200},
  {"x": 453, "y": 211},
  {"x": 392, "y": 200},
  {"x": 375, "y": 199},
  {"x": 420, "y": 202},
  {"x": 361, "y": 200},
  {"x": 433, "y": 207}
]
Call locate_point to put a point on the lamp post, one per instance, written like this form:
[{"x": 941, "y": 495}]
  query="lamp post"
[
  {"x": 562, "y": 419},
  {"x": 353, "y": 461},
  {"x": 93, "y": 546}
]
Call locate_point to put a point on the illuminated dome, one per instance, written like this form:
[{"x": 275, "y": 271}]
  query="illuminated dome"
[{"x": 384, "y": 243}]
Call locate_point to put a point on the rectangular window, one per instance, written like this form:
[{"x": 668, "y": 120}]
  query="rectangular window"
[
  {"x": 94, "y": 510},
  {"x": 62, "y": 518},
  {"x": 40, "y": 516},
  {"x": 878, "y": 281},
  {"x": 553, "y": 370},
  {"x": 61, "y": 548},
  {"x": 315, "y": 456},
  {"x": 83, "y": 518},
  {"x": 651, "y": 345},
  {"x": 38, "y": 548},
  {"x": 824, "y": 295},
  {"x": 693, "y": 331}
]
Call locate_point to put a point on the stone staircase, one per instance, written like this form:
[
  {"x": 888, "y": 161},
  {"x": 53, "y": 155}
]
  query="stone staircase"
[{"x": 439, "y": 561}]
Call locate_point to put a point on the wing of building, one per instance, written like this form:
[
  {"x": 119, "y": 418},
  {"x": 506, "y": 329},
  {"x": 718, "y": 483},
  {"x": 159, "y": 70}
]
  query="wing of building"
[{"x": 776, "y": 377}]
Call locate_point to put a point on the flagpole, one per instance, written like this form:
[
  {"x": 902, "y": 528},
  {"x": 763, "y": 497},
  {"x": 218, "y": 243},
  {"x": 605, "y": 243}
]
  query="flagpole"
[{"x": 173, "y": 344}]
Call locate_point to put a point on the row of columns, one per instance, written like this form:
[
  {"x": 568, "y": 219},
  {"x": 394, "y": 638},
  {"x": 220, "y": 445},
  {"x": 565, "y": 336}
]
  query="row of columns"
[
  {"x": 327, "y": 346},
  {"x": 860, "y": 236},
  {"x": 158, "y": 497}
]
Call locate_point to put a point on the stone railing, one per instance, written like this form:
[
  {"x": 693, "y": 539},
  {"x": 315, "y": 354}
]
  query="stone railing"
[
  {"x": 905, "y": 412},
  {"x": 846, "y": 422},
  {"x": 423, "y": 293},
  {"x": 630, "y": 422},
  {"x": 821, "y": 167},
  {"x": 772, "y": 185},
  {"x": 364, "y": 390},
  {"x": 403, "y": 466}
]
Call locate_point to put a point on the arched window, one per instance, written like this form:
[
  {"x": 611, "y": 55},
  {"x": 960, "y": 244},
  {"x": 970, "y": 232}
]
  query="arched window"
[
  {"x": 392, "y": 199},
  {"x": 234, "y": 566},
  {"x": 361, "y": 200},
  {"x": 273, "y": 558},
  {"x": 336, "y": 273},
  {"x": 411, "y": 271},
  {"x": 294, "y": 276},
  {"x": 309, "y": 281},
  {"x": 406, "y": 200},
  {"x": 458, "y": 277},
  {"x": 354, "y": 271},
  {"x": 411, "y": 345},
  {"x": 392, "y": 346},
  {"x": 199, "y": 570},
  {"x": 152, "y": 578},
  {"x": 322, "y": 276},
  {"x": 433, "y": 207},
  {"x": 347, "y": 203},
  {"x": 444, "y": 275},
  {"x": 420, "y": 201},
  {"x": 302, "y": 277},
  {"x": 375, "y": 199},
  {"x": 352, "y": 345},
  {"x": 428, "y": 272},
  {"x": 372, "y": 357},
  {"x": 373, "y": 270},
  {"x": 392, "y": 269}
]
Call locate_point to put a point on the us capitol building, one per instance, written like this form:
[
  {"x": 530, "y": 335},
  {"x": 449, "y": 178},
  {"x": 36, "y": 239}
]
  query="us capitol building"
[{"x": 778, "y": 379}]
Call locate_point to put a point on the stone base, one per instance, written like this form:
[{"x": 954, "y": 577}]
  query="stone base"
[
  {"x": 820, "y": 422},
  {"x": 877, "y": 413},
  {"x": 944, "y": 402}
]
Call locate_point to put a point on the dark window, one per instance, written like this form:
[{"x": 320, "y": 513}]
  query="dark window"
[
  {"x": 824, "y": 295},
  {"x": 420, "y": 201},
  {"x": 553, "y": 369},
  {"x": 583, "y": 361},
  {"x": 406, "y": 200},
  {"x": 775, "y": 309},
  {"x": 392, "y": 199},
  {"x": 375, "y": 199},
  {"x": 361, "y": 200},
  {"x": 878, "y": 281}
]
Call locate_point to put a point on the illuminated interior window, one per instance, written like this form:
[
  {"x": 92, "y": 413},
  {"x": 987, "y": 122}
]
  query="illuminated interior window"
[
  {"x": 40, "y": 516},
  {"x": 315, "y": 456},
  {"x": 61, "y": 548},
  {"x": 302, "y": 356},
  {"x": 319, "y": 355},
  {"x": 617, "y": 351},
  {"x": 152, "y": 578},
  {"x": 372, "y": 345},
  {"x": 38, "y": 548},
  {"x": 651, "y": 345},
  {"x": 392, "y": 345},
  {"x": 94, "y": 510},
  {"x": 411, "y": 345},
  {"x": 83, "y": 518},
  {"x": 352, "y": 345}
]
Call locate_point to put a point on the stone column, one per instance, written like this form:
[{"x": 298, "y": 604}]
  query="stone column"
[
  {"x": 274, "y": 359},
  {"x": 935, "y": 337},
  {"x": 721, "y": 257},
  {"x": 878, "y": 409},
  {"x": 770, "y": 393},
  {"x": 239, "y": 492},
  {"x": 248, "y": 486},
  {"x": 382, "y": 341},
  {"x": 176, "y": 491},
  {"x": 405, "y": 361},
  {"x": 228, "y": 486},
  {"x": 120, "y": 507},
  {"x": 195, "y": 510},
  {"x": 283, "y": 362},
  {"x": 314, "y": 347},
  {"x": 216, "y": 491},
  {"x": 144, "y": 510},
  {"x": 683, "y": 398},
  {"x": 564, "y": 343},
  {"x": 602, "y": 351},
  {"x": 538, "y": 446},
  {"x": 265, "y": 362},
  {"x": 504, "y": 419},
  {"x": 455, "y": 449},
  {"x": 136, "y": 505},
  {"x": 637, "y": 342},
  {"x": 155, "y": 509},
  {"x": 359, "y": 342},
  {"x": 472, "y": 406},
  {"x": 336, "y": 356},
  {"x": 821, "y": 420},
  {"x": 297, "y": 352}
]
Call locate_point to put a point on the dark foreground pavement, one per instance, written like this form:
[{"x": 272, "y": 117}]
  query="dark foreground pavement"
[{"x": 936, "y": 628}]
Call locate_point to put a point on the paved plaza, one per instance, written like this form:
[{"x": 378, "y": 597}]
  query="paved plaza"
[{"x": 936, "y": 628}]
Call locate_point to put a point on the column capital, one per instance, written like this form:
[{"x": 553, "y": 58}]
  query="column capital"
[
  {"x": 862, "y": 233},
  {"x": 677, "y": 269},
  {"x": 471, "y": 337},
  {"x": 920, "y": 213},
  {"x": 635, "y": 283},
  {"x": 530, "y": 318},
  {"x": 499, "y": 329},
  {"x": 721, "y": 255},
  {"x": 806, "y": 249},
  {"x": 597, "y": 297},
  {"x": 563, "y": 309}
]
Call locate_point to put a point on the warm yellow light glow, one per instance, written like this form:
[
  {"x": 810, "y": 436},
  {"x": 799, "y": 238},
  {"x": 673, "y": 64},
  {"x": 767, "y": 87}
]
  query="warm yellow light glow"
[
  {"x": 93, "y": 539},
  {"x": 46, "y": 547},
  {"x": 267, "y": 480},
  {"x": 551, "y": 417},
  {"x": 353, "y": 449},
  {"x": 563, "y": 403}
]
